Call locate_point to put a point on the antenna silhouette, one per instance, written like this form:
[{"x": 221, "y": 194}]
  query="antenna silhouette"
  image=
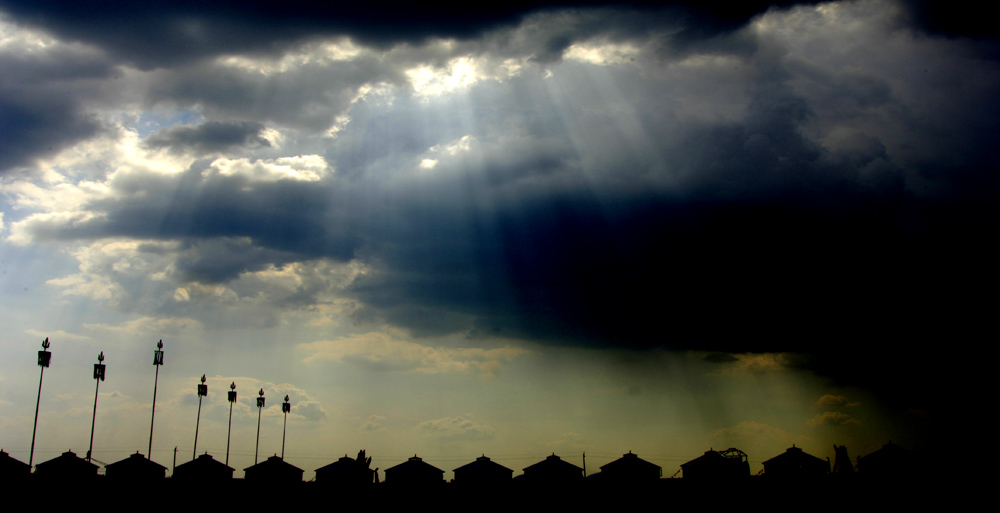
[
  {"x": 44, "y": 356},
  {"x": 202, "y": 392},
  {"x": 157, "y": 361},
  {"x": 229, "y": 433},
  {"x": 285, "y": 408},
  {"x": 260, "y": 405},
  {"x": 99, "y": 377}
]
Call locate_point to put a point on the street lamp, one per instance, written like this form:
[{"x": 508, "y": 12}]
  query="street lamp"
[
  {"x": 202, "y": 392},
  {"x": 260, "y": 405},
  {"x": 99, "y": 377},
  {"x": 44, "y": 356},
  {"x": 229, "y": 434},
  {"x": 285, "y": 408},
  {"x": 157, "y": 361}
]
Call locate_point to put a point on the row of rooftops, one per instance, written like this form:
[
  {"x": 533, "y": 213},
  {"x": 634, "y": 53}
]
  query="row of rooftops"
[{"x": 713, "y": 465}]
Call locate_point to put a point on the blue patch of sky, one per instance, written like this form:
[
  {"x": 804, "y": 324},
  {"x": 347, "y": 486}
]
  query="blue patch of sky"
[{"x": 149, "y": 122}]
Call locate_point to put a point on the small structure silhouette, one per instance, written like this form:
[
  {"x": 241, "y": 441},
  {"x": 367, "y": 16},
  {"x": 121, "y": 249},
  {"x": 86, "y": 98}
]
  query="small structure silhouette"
[
  {"x": 203, "y": 468},
  {"x": 347, "y": 472},
  {"x": 630, "y": 468},
  {"x": 717, "y": 466},
  {"x": 552, "y": 471},
  {"x": 842, "y": 462},
  {"x": 794, "y": 463},
  {"x": 135, "y": 468},
  {"x": 891, "y": 461},
  {"x": 483, "y": 473},
  {"x": 12, "y": 469},
  {"x": 66, "y": 467},
  {"x": 273, "y": 470},
  {"x": 414, "y": 472}
]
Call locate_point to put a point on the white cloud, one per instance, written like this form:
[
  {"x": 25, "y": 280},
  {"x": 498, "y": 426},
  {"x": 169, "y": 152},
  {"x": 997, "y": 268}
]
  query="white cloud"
[
  {"x": 568, "y": 441},
  {"x": 146, "y": 325},
  {"x": 316, "y": 53},
  {"x": 753, "y": 364},
  {"x": 380, "y": 351},
  {"x": 372, "y": 423},
  {"x": 456, "y": 429},
  {"x": 834, "y": 418},
  {"x": 56, "y": 335},
  {"x": 308, "y": 168},
  {"x": 750, "y": 431},
  {"x": 835, "y": 400},
  {"x": 459, "y": 73},
  {"x": 602, "y": 54}
]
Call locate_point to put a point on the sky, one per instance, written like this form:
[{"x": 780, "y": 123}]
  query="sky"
[{"x": 563, "y": 227}]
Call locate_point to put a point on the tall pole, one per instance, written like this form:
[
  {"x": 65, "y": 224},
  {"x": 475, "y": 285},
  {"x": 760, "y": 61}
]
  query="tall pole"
[
  {"x": 229, "y": 434},
  {"x": 157, "y": 361},
  {"x": 44, "y": 356},
  {"x": 260, "y": 405},
  {"x": 98, "y": 377},
  {"x": 202, "y": 392},
  {"x": 285, "y": 408}
]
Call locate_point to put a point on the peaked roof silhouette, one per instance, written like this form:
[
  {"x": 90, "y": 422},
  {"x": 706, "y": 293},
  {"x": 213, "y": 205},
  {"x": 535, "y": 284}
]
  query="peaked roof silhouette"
[
  {"x": 629, "y": 462},
  {"x": 483, "y": 464},
  {"x": 10, "y": 467},
  {"x": 68, "y": 463},
  {"x": 136, "y": 465},
  {"x": 794, "y": 462},
  {"x": 204, "y": 466},
  {"x": 552, "y": 470},
  {"x": 631, "y": 467},
  {"x": 346, "y": 463},
  {"x": 553, "y": 463},
  {"x": 274, "y": 462},
  {"x": 412, "y": 472},
  {"x": 273, "y": 468}
]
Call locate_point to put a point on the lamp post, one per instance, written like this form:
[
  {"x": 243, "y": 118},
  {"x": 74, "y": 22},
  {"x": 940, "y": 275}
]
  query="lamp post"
[
  {"x": 260, "y": 405},
  {"x": 44, "y": 356},
  {"x": 285, "y": 408},
  {"x": 99, "y": 377},
  {"x": 202, "y": 392},
  {"x": 157, "y": 361},
  {"x": 229, "y": 434}
]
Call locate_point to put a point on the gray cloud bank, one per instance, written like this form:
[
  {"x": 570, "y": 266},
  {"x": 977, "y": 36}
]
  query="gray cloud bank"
[{"x": 785, "y": 200}]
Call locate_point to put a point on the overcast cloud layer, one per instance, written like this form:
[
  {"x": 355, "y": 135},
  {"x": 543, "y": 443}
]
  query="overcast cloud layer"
[{"x": 817, "y": 179}]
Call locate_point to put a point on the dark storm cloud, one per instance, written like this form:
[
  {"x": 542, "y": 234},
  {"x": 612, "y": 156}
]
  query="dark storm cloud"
[
  {"x": 32, "y": 126},
  {"x": 41, "y": 101},
  {"x": 949, "y": 19},
  {"x": 841, "y": 214},
  {"x": 220, "y": 260},
  {"x": 309, "y": 96},
  {"x": 284, "y": 220},
  {"x": 210, "y": 137},
  {"x": 752, "y": 228},
  {"x": 163, "y": 33}
]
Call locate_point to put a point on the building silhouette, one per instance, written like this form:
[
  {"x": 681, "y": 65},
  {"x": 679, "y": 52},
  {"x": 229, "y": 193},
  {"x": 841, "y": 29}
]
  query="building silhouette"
[
  {"x": 717, "y": 466},
  {"x": 67, "y": 466},
  {"x": 203, "y": 468},
  {"x": 552, "y": 471},
  {"x": 891, "y": 461},
  {"x": 346, "y": 472},
  {"x": 12, "y": 469},
  {"x": 630, "y": 468},
  {"x": 274, "y": 470},
  {"x": 136, "y": 467},
  {"x": 414, "y": 472},
  {"x": 794, "y": 463},
  {"x": 483, "y": 473}
]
